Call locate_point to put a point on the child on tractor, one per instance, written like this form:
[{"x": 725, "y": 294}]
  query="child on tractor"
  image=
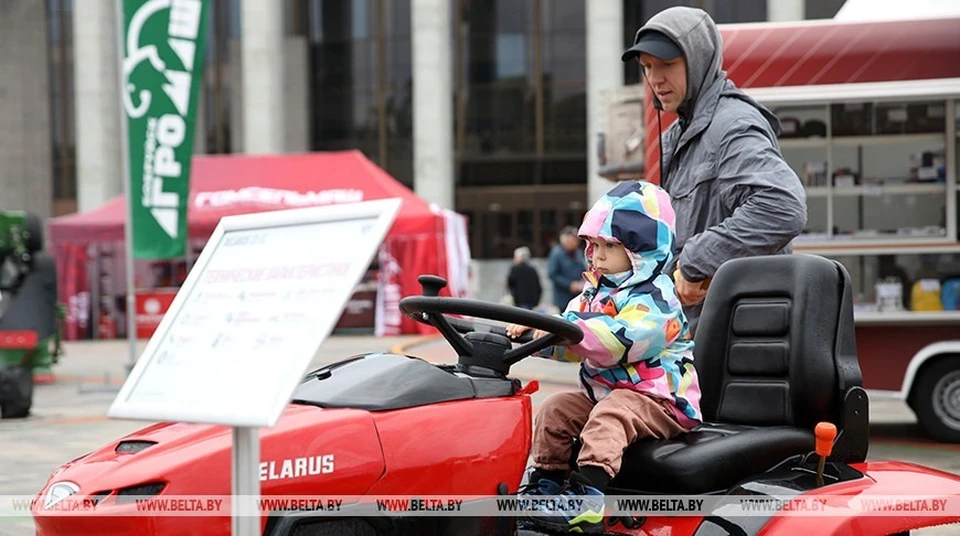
[{"x": 637, "y": 374}]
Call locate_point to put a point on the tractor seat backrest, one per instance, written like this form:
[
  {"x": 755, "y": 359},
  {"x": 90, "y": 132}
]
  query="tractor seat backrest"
[{"x": 775, "y": 344}]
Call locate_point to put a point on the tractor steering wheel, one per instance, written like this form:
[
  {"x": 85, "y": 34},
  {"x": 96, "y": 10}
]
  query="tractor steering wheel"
[{"x": 431, "y": 309}]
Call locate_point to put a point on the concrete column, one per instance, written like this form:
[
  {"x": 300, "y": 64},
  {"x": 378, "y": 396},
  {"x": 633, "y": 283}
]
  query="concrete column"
[
  {"x": 604, "y": 71},
  {"x": 200, "y": 125},
  {"x": 25, "y": 141},
  {"x": 433, "y": 174},
  {"x": 297, "y": 94},
  {"x": 97, "y": 103},
  {"x": 234, "y": 73},
  {"x": 263, "y": 76},
  {"x": 785, "y": 10}
]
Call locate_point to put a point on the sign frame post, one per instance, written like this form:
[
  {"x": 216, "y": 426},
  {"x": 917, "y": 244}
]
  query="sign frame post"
[
  {"x": 201, "y": 334},
  {"x": 245, "y": 480}
]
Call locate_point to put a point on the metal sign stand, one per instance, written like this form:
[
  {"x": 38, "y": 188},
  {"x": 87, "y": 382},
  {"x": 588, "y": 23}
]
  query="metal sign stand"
[{"x": 246, "y": 480}]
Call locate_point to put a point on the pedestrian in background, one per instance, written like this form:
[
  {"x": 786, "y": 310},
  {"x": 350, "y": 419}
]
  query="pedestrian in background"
[
  {"x": 565, "y": 266},
  {"x": 524, "y": 280}
]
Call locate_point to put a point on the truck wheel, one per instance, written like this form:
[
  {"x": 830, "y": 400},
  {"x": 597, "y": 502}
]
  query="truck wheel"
[
  {"x": 16, "y": 392},
  {"x": 937, "y": 400}
]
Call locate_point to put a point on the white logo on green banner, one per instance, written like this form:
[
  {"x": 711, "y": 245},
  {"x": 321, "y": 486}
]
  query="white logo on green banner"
[{"x": 164, "y": 41}]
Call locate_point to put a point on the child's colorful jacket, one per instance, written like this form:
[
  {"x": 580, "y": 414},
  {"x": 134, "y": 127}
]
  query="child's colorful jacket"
[{"x": 635, "y": 333}]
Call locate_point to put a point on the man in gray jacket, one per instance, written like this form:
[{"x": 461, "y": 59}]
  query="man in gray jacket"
[{"x": 733, "y": 193}]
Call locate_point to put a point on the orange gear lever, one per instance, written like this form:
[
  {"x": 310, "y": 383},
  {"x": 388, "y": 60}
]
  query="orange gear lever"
[{"x": 825, "y": 432}]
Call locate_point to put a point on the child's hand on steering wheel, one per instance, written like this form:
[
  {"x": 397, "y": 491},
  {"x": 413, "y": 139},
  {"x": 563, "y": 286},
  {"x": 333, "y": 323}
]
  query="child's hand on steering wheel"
[{"x": 516, "y": 330}]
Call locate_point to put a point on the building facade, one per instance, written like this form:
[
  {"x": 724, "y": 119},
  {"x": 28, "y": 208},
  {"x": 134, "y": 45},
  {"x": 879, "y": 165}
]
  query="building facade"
[{"x": 485, "y": 106}]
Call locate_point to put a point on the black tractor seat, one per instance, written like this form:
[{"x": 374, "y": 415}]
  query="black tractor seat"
[
  {"x": 776, "y": 354},
  {"x": 710, "y": 458}
]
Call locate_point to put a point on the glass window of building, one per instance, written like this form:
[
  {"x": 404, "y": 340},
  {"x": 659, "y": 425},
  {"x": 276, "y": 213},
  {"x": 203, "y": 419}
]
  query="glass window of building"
[
  {"x": 359, "y": 69},
  {"x": 520, "y": 120}
]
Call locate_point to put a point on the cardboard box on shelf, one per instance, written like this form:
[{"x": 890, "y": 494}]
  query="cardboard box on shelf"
[
  {"x": 928, "y": 166},
  {"x": 814, "y": 173}
]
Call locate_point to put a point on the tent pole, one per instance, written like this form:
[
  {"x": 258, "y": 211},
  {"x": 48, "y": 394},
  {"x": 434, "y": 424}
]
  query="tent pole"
[{"x": 125, "y": 176}]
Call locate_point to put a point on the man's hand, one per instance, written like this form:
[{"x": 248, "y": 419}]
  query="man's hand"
[
  {"x": 576, "y": 287},
  {"x": 689, "y": 293}
]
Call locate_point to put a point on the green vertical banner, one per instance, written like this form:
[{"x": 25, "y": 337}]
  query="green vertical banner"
[{"x": 163, "y": 48}]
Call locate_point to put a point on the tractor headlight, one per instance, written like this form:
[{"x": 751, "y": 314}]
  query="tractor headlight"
[{"x": 58, "y": 492}]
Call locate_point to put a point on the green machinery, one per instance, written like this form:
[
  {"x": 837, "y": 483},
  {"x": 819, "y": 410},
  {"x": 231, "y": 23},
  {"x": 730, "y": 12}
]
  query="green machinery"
[{"x": 29, "y": 314}]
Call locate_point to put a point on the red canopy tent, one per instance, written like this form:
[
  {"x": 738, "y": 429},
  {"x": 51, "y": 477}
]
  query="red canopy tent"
[{"x": 424, "y": 238}]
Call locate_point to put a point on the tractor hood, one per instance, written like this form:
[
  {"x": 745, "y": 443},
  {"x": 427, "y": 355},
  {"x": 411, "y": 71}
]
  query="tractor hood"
[{"x": 311, "y": 450}]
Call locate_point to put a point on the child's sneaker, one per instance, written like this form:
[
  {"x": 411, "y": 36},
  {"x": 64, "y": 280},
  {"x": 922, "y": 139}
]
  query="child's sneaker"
[
  {"x": 579, "y": 508},
  {"x": 541, "y": 487},
  {"x": 544, "y": 486}
]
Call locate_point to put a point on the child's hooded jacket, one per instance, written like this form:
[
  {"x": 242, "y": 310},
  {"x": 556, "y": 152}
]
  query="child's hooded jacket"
[{"x": 635, "y": 335}]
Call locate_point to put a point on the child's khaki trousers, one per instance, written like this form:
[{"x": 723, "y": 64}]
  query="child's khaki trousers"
[{"x": 605, "y": 429}]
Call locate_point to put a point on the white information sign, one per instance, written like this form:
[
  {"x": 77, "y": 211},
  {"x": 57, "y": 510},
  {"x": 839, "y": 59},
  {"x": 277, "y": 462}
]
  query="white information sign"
[{"x": 265, "y": 292}]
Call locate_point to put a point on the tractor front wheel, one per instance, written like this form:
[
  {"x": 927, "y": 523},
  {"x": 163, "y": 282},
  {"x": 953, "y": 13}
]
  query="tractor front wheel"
[{"x": 16, "y": 392}]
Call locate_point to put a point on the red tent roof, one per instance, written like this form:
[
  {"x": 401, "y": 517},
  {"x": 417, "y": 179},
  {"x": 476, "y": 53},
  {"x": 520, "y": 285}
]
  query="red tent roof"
[{"x": 225, "y": 185}]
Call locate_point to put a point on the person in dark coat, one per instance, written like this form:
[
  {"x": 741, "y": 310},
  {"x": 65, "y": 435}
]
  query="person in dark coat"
[
  {"x": 524, "y": 280},
  {"x": 565, "y": 266},
  {"x": 732, "y": 191}
]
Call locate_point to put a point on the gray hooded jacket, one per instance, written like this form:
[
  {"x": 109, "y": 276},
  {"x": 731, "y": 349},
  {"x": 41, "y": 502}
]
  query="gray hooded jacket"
[{"x": 733, "y": 193}]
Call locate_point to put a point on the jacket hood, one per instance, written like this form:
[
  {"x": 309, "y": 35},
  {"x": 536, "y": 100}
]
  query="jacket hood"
[
  {"x": 730, "y": 90},
  {"x": 638, "y": 215},
  {"x": 697, "y": 36}
]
